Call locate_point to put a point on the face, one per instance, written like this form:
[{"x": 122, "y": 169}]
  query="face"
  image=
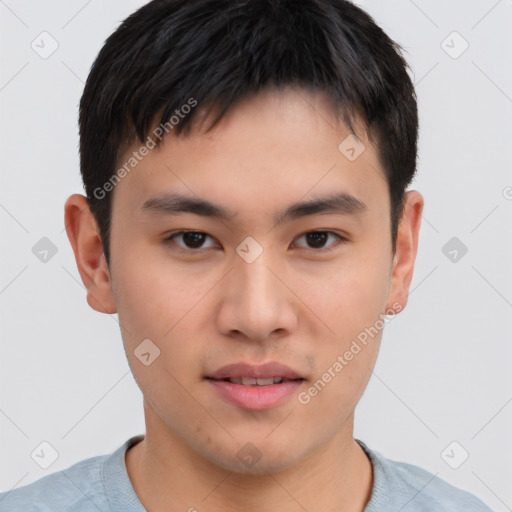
[{"x": 265, "y": 291}]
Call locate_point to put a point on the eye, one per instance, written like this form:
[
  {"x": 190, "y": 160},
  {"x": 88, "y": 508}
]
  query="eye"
[
  {"x": 318, "y": 239},
  {"x": 191, "y": 239}
]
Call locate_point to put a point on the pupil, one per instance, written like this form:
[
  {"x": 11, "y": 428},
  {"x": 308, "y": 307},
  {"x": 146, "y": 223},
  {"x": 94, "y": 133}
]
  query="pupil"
[
  {"x": 317, "y": 238},
  {"x": 194, "y": 240}
]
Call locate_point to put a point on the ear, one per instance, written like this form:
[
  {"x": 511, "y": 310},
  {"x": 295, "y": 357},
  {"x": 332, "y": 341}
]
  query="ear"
[
  {"x": 406, "y": 249},
  {"x": 83, "y": 234}
]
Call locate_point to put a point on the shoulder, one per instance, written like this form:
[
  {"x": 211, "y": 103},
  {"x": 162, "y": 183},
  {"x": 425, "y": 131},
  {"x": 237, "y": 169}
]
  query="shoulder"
[
  {"x": 81, "y": 486},
  {"x": 406, "y": 487},
  {"x": 78, "y": 485}
]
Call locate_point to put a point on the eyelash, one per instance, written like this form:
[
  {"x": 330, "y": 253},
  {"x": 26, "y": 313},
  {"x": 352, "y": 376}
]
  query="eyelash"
[{"x": 331, "y": 247}]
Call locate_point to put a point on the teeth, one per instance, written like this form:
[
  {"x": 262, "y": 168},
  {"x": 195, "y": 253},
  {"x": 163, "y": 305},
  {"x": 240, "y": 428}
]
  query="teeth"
[
  {"x": 250, "y": 381},
  {"x": 265, "y": 382}
]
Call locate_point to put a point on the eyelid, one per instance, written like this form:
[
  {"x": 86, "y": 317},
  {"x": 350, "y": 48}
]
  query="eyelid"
[
  {"x": 341, "y": 239},
  {"x": 169, "y": 238}
]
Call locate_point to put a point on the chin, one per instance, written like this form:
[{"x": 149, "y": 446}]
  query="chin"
[
  {"x": 259, "y": 458},
  {"x": 264, "y": 466}
]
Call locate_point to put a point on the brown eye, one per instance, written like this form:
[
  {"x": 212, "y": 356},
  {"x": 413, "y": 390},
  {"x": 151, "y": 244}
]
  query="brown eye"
[
  {"x": 318, "y": 239},
  {"x": 193, "y": 240},
  {"x": 190, "y": 239}
]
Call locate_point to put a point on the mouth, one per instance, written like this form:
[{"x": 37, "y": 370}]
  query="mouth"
[
  {"x": 251, "y": 381},
  {"x": 253, "y": 387},
  {"x": 250, "y": 375}
]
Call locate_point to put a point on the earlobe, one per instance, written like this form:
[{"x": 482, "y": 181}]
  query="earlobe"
[
  {"x": 83, "y": 234},
  {"x": 406, "y": 249}
]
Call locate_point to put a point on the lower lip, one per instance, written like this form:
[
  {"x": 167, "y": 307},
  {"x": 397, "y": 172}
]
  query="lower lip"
[{"x": 256, "y": 398}]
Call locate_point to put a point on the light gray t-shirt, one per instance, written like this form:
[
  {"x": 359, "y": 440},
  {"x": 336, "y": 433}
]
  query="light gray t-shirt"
[{"x": 101, "y": 484}]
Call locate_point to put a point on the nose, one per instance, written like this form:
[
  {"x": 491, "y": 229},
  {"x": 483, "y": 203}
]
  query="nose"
[{"x": 256, "y": 302}]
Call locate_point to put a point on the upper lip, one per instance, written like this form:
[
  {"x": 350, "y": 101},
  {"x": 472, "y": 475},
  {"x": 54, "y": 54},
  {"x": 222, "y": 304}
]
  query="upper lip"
[{"x": 264, "y": 371}]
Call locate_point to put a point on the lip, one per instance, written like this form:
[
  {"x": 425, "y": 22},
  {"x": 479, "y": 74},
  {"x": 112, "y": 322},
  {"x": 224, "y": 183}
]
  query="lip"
[
  {"x": 255, "y": 398},
  {"x": 264, "y": 371}
]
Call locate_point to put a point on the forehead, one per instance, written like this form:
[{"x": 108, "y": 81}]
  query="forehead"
[{"x": 266, "y": 152}]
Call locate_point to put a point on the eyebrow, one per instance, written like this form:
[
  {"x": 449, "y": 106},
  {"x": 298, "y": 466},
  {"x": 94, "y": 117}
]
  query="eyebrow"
[{"x": 174, "y": 204}]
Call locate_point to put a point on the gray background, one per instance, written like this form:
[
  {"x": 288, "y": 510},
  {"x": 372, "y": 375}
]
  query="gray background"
[{"x": 444, "y": 372}]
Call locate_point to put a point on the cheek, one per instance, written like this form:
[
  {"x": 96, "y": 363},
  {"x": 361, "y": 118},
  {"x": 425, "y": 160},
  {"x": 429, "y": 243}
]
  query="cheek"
[
  {"x": 162, "y": 308},
  {"x": 351, "y": 296},
  {"x": 344, "y": 365},
  {"x": 151, "y": 299},
  {"x": 351, "y": 302}
]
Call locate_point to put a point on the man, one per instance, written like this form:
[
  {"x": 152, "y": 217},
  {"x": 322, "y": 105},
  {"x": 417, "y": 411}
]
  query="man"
[{"x": 246, "y": 165}]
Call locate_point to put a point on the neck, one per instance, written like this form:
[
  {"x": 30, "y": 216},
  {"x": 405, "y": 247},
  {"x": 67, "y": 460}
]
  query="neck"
[{"x": 168, "y": 475}]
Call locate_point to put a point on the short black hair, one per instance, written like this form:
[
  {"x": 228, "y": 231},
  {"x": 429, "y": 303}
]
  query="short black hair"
[{"x": 171, "y": 53}]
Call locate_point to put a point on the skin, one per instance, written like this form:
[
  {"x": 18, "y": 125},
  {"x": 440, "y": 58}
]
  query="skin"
[{"x": 297, "y": 303}]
